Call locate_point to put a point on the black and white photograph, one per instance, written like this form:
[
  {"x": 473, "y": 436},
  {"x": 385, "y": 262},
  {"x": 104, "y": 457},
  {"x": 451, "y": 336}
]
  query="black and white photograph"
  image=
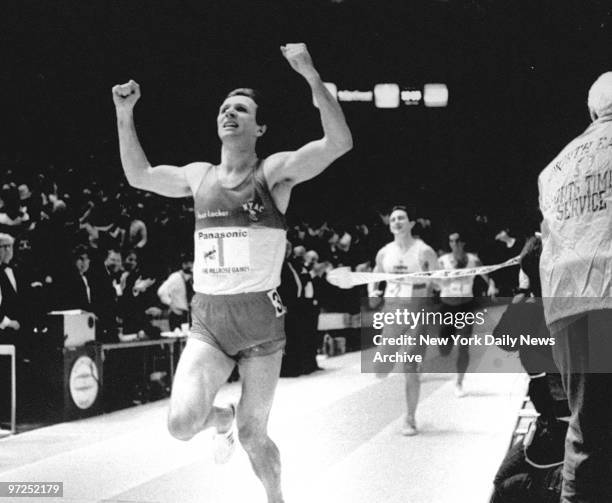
[{"x": 290, "y": 251}]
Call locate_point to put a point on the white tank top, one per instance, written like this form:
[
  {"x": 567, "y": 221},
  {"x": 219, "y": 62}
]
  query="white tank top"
[
  {"x": 457, "y": 287},
  {"x": 414, "y": 259},
  {"x": 240, "y": 236}
]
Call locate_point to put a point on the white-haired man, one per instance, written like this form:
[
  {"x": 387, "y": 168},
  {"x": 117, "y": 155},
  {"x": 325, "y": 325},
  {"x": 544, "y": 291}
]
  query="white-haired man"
[
  {"x": 240, "y": 242},
  {"x": 576, "y": 274}
]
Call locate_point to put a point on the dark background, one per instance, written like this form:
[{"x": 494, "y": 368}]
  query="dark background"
[{"x": 518, "y": 73}]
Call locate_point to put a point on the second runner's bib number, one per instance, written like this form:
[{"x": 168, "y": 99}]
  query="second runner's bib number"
[
  {"x": 398, "y": 289},
  {"x": 460, "y": 288}
]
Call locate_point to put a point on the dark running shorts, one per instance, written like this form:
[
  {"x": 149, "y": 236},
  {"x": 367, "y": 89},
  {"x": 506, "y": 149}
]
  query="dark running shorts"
[{"x": 242, "y": 325}]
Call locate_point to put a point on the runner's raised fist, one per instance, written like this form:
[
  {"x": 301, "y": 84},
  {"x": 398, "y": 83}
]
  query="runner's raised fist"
[
  {"x": 299, "y": 59},
  {"x": 126, "y": 95}
]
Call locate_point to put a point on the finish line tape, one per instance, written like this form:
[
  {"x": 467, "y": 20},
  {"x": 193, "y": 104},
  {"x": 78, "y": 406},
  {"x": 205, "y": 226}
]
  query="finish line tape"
[{"x": 343, "y": 277}]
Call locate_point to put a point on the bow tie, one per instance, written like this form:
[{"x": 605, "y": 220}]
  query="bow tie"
[{"x": 4, "y": 266}]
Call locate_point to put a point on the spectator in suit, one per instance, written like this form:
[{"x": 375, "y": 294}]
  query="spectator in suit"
[
  {"x": 105, "y": 287},
  {"x": 11, "y": 309},
  {"x": 507, "y": 247},
  {"x": 33, "y": 273},
  {"x": 30, "y": 204},
  {"x": 15, "y": 320},
  {"x": 310, "y": 313},
  {"x": 74, "y": 289},
  {"x": 139, "y": 301},
  {"x": 290, "y": 290},
  {"x": 297, "y": 259}
]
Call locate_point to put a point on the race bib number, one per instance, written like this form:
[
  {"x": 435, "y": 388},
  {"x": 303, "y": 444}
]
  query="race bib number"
[
  {"x": 277, "y": 303},
  {"x": 223, "y": 251},
  {"x": 398, "y": 289},
  {"x": 460, "y": 289}
]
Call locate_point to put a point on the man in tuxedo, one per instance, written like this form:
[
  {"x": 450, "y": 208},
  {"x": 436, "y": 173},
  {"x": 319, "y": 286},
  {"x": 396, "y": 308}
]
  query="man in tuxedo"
[
  {"x": 139, "y": 301},
  {"x": 75, "y": 289},
  {"x": 104, "y": 294},
  {"x": 12, "y": 308},
  {"x": 309, "y": 313},
  {"x": 290, "y": 290},
  {"x": 15, "y": 324}
]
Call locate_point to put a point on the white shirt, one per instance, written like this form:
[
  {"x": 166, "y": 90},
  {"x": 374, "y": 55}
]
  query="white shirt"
[
  {"x": 418, "y": 257},
  {"x": 173, "y": 292}
]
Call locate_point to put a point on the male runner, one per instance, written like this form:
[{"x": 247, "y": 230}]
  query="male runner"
[
  {"x": 239, "y": 249},
  {"x": 456, "y": 297},
  {"x": 405, "y": 254}
]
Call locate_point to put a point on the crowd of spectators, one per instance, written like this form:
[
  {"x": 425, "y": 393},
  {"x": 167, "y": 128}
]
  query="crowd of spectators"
[
  {"x": 92, "y": 245},
  {"x": 101, "y": 246},
  {"x": 98, "y": 245}
]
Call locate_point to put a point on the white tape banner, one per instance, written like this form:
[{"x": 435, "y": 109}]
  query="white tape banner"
[{"x": 343, "y": 277}]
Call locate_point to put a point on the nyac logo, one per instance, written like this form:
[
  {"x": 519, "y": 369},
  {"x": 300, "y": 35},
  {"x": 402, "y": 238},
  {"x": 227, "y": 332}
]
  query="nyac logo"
[
  {"x": 254, "y": 209},
  {"x": 210, "y": 255}
]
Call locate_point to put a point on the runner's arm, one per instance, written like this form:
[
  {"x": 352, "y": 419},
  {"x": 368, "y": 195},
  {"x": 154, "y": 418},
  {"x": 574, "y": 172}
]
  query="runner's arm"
[
  {"x": 311, "y": 159},
  {"x": 491, "y": 289},
  {"x": 167, "y": 181},
  {"x": 430, "y": 259},
  {"x": 373, "y": 290}
]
